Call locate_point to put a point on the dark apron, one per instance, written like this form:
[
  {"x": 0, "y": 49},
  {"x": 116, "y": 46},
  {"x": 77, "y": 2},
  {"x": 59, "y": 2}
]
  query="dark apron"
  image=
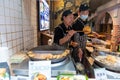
[
  {"x": 66, "y": 44},
  {"x": 81, "y": 40}
]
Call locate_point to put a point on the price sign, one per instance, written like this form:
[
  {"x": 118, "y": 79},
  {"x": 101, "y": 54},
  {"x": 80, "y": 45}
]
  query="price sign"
[
  {"x": 39, "y": 70},
  {"x": 100, "y": 74}
]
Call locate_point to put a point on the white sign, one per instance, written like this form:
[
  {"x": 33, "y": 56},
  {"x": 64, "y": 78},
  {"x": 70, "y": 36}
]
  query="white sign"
[
  {"x": 39, "y": 70},
  {"x": 100, "y": 74}
]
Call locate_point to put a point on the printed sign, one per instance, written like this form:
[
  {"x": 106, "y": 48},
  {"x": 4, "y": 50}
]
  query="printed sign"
[
  {"x": 4, "y": 71},
  {"x": 39, "y": 70},
  {"x": 100, "y": 74}
]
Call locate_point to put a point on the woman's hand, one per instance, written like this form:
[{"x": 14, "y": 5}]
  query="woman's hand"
[
  {"x": 95, "y": 34},
  {"x": 74, "y": 44},
  {"x": 71, "y": 32}
]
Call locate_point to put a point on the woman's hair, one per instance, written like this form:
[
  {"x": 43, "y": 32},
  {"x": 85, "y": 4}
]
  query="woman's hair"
[{"x": 66, "y": 13}]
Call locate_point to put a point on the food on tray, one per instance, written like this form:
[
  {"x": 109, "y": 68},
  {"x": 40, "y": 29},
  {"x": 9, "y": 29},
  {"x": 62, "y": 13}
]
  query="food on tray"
[
  {"x": 109, "y": 60},
  {"x": 65, "y": 78},
  {"x": 48, "y": 56},
  {"x": 74, "y": 44},
  {"x": 71, "y": 77},
  {"x": 89, "y": 44},
  {"x": 40, "y": 77},
  {"x": 80, "y": 77},
  {"x": 91, "y": 60}
]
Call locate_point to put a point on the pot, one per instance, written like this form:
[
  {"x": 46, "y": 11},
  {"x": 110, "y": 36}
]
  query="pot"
[
  {"x": 46, "y": 49},
  {"x": 112, "y": 67}
]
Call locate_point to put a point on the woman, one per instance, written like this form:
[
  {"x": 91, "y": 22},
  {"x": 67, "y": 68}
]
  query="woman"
[
  {"x": 80, "y": 37},
  {"x": 64, "y": 32}
]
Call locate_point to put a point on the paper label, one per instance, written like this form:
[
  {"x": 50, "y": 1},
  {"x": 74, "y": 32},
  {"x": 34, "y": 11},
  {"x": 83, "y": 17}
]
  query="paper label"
[
  {"x": 100, "y": 74},
  {"x": 39, "y": 70}
]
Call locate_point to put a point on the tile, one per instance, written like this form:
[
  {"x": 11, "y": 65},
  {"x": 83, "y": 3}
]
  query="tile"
[
  {"x": 4, "y": 44},
  {"x": 14, "y": 43},
  {"x": 18, "y": 34},
  {"x": 7, "y": 12},
  {"x": 11, "y": 51},
  {"x": 12, "y": 20},
  {"x": 11, "y": 4},
  {"x": 9, "y": 37},
  {"x": 21, "y": 34},
  {"x": 2, "y": 3},
  {"x": 13, "y": 36},
  {"x": 3, "y": 38},
  {"x": 1, "y": 11},
  {"x": 7, "y": 3},
  {"x": 9, "y": 44},
  {"x": 8, "y": 27},
  {"x": 2, "y": 28},
  {"x": 2, "y": 19},
  {"x": 13, "y": 28},
  {"x": 12, "y": 14},
  {"x": 7, "y": 20}
]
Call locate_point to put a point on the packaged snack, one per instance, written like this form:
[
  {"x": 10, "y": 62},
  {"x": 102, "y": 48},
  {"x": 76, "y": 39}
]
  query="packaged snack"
[
  {"x": 71, "y": 77},
  {"x": 65, "y": 77},
  {"x": 4, "y": 71},
  {"x": 80, "y": 77}
]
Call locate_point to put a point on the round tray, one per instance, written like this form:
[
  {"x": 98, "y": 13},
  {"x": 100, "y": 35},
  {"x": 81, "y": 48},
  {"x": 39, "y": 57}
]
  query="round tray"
[{"x": 108, "y": 67}]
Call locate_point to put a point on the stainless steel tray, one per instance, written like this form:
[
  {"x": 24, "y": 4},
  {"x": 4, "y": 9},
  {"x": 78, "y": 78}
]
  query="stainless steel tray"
[
  {"x": 108, "y": 67},
  {"x": 54, "y": 49},
  {"x": 52, "y": 52}
]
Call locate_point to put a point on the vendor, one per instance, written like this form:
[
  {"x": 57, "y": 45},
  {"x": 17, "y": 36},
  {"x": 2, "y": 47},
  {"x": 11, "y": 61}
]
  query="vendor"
[
  {"x": 63, "y": 32},
  {"x": 80, "y": 37}
]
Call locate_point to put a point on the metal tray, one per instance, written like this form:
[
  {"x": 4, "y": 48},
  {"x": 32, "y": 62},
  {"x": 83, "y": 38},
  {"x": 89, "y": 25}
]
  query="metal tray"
[
  {"x": 54, "y": 49},
  {"x": 52, "y": 52},
  {"x": 108, "y": 67}
]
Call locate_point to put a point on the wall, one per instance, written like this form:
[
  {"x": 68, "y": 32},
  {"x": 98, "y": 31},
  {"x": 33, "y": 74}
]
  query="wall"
[
  {"x": 113, "y": 8},
  {"x": 18, "y": 25},
  {"x": 29, "y": 23},
  {"x": 58, "y": 6}
]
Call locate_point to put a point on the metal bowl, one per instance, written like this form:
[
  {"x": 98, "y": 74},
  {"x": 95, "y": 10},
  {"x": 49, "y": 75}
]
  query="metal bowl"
[
  {"x": 55, "y": 50},
  {"x": 101, "y": 64}
]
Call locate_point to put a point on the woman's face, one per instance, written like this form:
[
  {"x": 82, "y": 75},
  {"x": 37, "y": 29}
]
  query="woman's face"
[{"x": 68, "y": 20}]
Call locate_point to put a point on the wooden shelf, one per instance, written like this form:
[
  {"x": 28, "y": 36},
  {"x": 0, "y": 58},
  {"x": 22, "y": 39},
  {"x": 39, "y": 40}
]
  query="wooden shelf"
[{"x": 45, "y": 37}]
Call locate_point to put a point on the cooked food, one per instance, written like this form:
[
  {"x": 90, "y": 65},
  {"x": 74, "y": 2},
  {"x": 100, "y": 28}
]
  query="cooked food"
[
  {"x": 43, "y": 56},
  {"x": 65, "y": 78},
  {"x": 87, "y": 29},
  {"x": 40, "y": 77},
  {"x": 109, "y": 60},
  {"x": 48, "y": 56},
  {"x": 58, "y": 56},
  {"x": 89, "y": 44},
  {"x": 54, "y": 56},
  {"x": 74, "y": 44},
  {"x": 91, "y": 60},
  {"x": 30, "y": 53}
]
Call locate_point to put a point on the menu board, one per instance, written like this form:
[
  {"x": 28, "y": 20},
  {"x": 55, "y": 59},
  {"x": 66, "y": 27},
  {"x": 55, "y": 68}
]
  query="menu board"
[{"x": 39, "y": 70}]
